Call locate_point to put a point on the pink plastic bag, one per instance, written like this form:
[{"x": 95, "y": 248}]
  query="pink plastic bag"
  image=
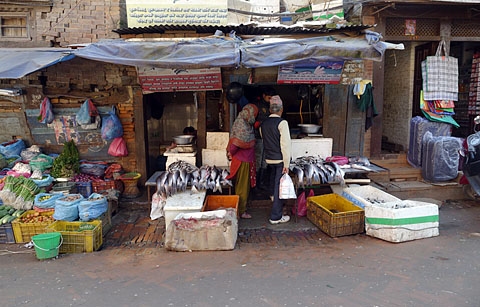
[
  {"x": 118, "y": 148},
  {"x": 46, "y": 114},
  {"x": 340, "y": 160},
  {"x": 302, "y": 203}
]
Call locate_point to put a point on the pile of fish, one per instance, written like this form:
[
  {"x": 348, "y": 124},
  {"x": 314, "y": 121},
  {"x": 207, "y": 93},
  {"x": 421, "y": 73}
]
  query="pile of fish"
[
  {"x": 310, "y": 169},
  {"x": 360, "y": 163},
  {"x": 182, "y": 174}
]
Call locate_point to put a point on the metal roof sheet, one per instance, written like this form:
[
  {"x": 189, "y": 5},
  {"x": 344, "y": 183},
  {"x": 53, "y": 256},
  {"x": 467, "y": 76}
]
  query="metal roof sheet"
[{"x": 245, "y": 29}]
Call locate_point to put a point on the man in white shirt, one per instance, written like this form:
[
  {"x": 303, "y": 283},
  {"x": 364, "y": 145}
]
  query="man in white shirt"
[{"x": 277, "y": 146}]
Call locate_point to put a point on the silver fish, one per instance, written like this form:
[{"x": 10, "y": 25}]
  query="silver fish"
[
  {"x": 320, "y": 174},
  {"x": 227, "y": 182},
  {"x": 225, "y": 174},
  {"x": 299, "y": 172},
  {"x": 308, "y": 170},
  {"x": 160, "y": 182},
  {"x": 331, "y": 172},
  {"x": 213, "y": 173},
  {"x": 183, "y": 175},
  {"x": 218, "y": 186},
  {"x": 361, "y": 167}
]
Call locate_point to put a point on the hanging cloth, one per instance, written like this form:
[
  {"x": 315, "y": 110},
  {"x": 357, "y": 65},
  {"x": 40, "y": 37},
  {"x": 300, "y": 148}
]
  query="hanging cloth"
[{"x": 366, "y": 104}]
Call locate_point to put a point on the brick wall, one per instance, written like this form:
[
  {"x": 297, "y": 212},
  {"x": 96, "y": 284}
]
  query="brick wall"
[
  {"x": 70, "y": 22},
  {"x": 355, "y": 71},
  {"x": 398, "y": 94},
  {"x": 69, "y": 84}
]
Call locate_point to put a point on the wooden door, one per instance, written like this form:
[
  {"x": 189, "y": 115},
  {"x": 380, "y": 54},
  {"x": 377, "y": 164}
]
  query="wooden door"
[
  {"x": 421, "y": 53},
  {"x": 355, "y": 127},
  {"x": 335, "y": 116}
]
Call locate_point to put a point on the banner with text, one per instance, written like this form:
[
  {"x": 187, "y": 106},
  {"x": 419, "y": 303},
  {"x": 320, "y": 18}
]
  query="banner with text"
[
  {"x": 144, "y": 13},
  {"x": 311, "y": 72},
  {"x": 155, "y": 79}
]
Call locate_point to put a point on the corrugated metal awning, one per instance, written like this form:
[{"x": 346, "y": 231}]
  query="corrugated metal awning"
[{"x": 250, "y": 29}]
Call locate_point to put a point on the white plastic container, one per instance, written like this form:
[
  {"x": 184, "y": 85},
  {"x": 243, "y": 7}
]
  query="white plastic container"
[
  {"x": 401, "y": 221},
  {"x": 183, "y": 202},
  {"x": 312, "y": 147},
  {"x": 218, "y": 140},
  {"x": 367, "y": 195},
  {"x": 189, "y": 157},
  {"x": 216, "y": 157}
]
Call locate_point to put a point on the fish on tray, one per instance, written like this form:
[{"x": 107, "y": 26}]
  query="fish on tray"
[
  {"x": 312, "y": 169},
  {"x": 181, "y": 174}
]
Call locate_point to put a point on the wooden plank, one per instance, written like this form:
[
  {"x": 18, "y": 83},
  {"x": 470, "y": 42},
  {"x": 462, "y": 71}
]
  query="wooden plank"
[
  {"x": 201, "y": 124},
  {"x": 355, "y": 127},
  {"x": 141, "y": 137},
  {"x": 378, "y": 85},
  {"x": 335, "y": 116}
]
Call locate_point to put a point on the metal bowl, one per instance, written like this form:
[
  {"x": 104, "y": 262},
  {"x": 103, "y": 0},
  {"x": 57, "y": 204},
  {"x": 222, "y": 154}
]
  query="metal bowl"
[
  {"x": 309, "y": 128},
  {"x": 183, "y": 139}
]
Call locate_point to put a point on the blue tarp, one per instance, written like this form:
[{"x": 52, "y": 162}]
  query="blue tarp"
[
  {"x": 201, "y": 53},
  {"x": 18, "y": 62},
  {"x": 197, "y": 53}
]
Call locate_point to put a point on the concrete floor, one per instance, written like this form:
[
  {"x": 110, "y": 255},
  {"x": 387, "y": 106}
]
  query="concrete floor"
[
  {"x": 260, "y": 217},
  {"x": 348, "y": 271}
]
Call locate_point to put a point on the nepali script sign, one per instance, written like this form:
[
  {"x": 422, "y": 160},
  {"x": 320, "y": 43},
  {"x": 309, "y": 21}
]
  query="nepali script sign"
[
  {"x": 311, "y": 72},
  {"x": 155, "y": 79},
  {"x": 143, "y": 13}
]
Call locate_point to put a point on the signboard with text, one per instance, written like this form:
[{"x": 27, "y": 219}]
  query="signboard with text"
[
  {"x": 311, "y": 72},
  {"x": 144, "y": 13},
  {"x": 155, "y": 79}
]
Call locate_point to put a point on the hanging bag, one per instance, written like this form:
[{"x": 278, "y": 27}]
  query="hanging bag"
[
  {"x": 88, "y": 116},
  {"x": 440, "y": 75},
  {"x": 46, "y": 112},
  {"x": 111, "y": 126},
  {"x": 118, "y": 148}
]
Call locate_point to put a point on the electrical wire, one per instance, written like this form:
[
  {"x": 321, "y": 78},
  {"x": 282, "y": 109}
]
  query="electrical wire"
[{"x": 301, "y": 106}]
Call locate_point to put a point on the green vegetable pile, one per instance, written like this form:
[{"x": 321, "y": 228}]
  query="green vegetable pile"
[
  {"x": 19, "y": 192},
  {"x": 67, "y": 164}
]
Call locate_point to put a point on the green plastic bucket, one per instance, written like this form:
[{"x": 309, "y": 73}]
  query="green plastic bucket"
[{"x": 47, "y": 244}]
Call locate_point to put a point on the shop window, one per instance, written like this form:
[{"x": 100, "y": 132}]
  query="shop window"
[{"x": 13, "y": 27}]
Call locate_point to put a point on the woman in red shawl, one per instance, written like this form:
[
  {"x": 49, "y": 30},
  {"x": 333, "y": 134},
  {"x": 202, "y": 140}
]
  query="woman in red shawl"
[{"x": 241, "y": 150}]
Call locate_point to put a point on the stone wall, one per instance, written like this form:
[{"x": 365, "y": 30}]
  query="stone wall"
[
  {"x": 68, "y": 22},
  {"x": 398, "y": 94}
]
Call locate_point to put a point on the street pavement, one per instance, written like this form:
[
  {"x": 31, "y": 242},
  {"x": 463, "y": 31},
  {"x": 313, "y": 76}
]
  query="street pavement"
[{"x": 267, "y": 268}]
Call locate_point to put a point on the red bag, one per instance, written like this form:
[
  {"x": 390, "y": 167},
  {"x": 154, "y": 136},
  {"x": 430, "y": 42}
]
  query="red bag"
[
  {"x": 118, "y": 148},
  {"x": 302, "y": 203},
  {"x": 340, "y": 160}
]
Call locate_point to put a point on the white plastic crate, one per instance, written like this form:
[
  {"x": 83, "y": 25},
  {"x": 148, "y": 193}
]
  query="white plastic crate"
[
  {"x": 367, "y": 195},
  {"x": 401, "y": 221},
  {"x": 184, "y": 202}
]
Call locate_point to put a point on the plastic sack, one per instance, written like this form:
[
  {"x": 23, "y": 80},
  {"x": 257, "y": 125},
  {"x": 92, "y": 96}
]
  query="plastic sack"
[
  {"x": 158, "y": 202},
  {"x": 111, "y": 126},
  {"x": 47, "y": 203},
  {"x": 440, "y": 157},
  {"x": 12, "y": 160},
  {"x": 46, "y": 112},
  {"x": 118, "y": 148},
  {"x": 44, "y": 182},
  {"x": 87, "y": 113},
  {"x": 42, "y": 162},
  {"x": 91, "y": 209},
  {"x": 67, "y": 210},
  {"x": 93, "y": 168},
  {"x": 302, "y": 203},
  {"x": 287, "y": 190},
  {"x": 12, "y": 148},
  {"x": 3, "y": 162},
  {"x": 418, "y": 127}
]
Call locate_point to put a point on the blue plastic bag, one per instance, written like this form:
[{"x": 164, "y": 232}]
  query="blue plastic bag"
[
  {"x": 12, "y": 163},
  {"x": 44, "y": 182},
  {"x": 46, "y": 112},
  {"x": 91, "y": 209},
  {"x": 86, "y": 112},
  {"x": 13, "y": 149},
  {"x": 111, "y": 126},
  {"x": 48, "y": 203},
  {"x": 67, "y": 210}
]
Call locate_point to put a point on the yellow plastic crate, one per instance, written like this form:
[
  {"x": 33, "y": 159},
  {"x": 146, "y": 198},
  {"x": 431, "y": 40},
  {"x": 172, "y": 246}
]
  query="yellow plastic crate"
[
  {"x": 24, "y": 232},
  {"x": 335, "y": 215},
  {"x": 78, "y": 242}
]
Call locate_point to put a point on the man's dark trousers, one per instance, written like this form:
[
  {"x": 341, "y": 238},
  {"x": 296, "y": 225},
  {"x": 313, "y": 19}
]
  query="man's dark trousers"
[{"x": 275, "y": 175}]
